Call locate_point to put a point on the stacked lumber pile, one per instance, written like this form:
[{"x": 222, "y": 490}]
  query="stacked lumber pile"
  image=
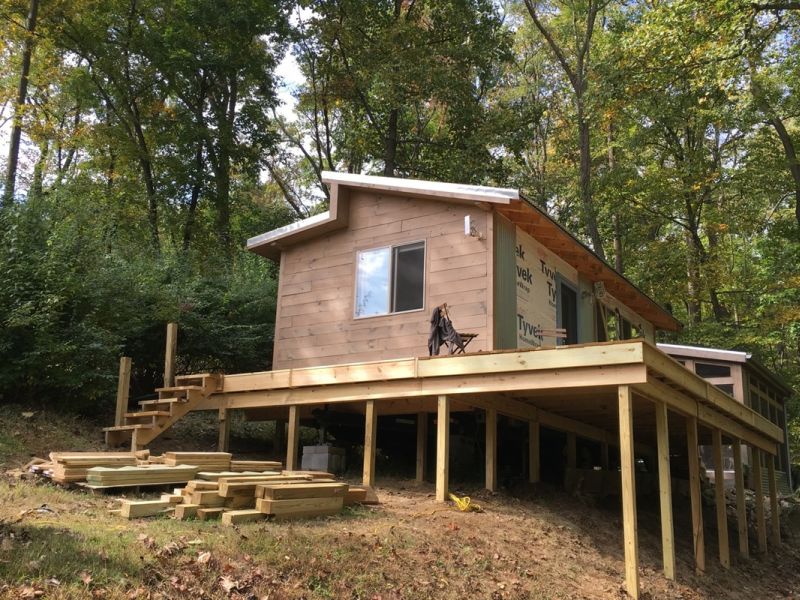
[
  {"x": 69, "y": 467},
  {"x": 207, "y": 461},
  {"x": 238, "y": 498},
  {"x": 255, "y": 465},
  {"x": 104, "y": 477}
]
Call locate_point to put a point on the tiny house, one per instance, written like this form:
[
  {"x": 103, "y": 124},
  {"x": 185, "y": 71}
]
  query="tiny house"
[{"x": 360, "y": 281}]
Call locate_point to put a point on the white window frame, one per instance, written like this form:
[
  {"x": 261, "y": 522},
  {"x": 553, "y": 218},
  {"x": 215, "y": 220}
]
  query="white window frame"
[{"x": 392, "y": 272}]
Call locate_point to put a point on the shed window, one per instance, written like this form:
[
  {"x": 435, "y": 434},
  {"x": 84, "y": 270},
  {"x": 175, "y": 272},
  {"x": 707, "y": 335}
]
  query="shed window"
[
  {"x": 712, "y": 370},
  {"x": 390, "y": 280}
]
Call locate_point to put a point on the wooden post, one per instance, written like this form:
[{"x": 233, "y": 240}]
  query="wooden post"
[
  {"x": 491, "y": 449},
  {"x": 695, "y": 495},
  {"x": 123, "y": 389},
  {"x": 665, "y": 490},
  {"x": 534, "y": 465},
  {"x": 719, "y": 495},
  {"x": 442, "y": 448},
  {"x": 741, "y": 500},
  {"x": 774, "y": 503},
  {"x": 628, "y": 491},
  {"x": 422, "y": 445},
  {"x": 572, "y": 450},
  {"x": 293, "y": 441},
  {"x": 370, "y": 439},
  {"x": 169, "y": 354},
  {"x": 758, "y": 488},
  {"x": 224, "y": 430}
]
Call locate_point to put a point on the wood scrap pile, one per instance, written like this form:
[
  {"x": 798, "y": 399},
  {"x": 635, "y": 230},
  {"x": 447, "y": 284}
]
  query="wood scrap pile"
[
  {"x": 255, "y": 465},
  {"x": 104, "y": 477},
  {"x": 208, "y": 461},
  {"x": 70, "y": 467},
  {"x": 239, "y": 498}
]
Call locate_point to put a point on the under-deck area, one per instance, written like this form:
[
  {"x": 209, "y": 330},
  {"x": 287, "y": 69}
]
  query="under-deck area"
[{"x": 626, "y": 400}]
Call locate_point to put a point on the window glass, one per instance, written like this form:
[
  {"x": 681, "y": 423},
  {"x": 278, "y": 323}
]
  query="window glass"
[
  {"x": 710, "y": 370},
  {"x": 372, "y": 282},
  {"x": 726, "y": 387},
  {"x": 409, "y": 275}
]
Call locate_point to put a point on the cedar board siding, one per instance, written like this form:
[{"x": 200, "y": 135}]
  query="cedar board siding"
[{"x": 314, "y": 321}]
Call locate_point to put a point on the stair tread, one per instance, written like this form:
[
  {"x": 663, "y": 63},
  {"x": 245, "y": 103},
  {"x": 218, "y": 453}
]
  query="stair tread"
[
  {"x": 193, "y": 376},
  {"x": 180, "y": 388},
  {"x": 149, "y": 413},
  {"x": 161, "y": 401},
  {"x": 127, "y": 427}
]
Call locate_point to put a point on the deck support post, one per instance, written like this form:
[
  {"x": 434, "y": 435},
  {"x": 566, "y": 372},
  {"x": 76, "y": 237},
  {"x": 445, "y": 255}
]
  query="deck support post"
[
  {"x": 534, "y": 465},
  {"x": 627, "y": 463},
  {"x": 741, "y": 501},
  {"x": 123, "y": 390},
  {"x": 572, "y": 450},
  {"x": 442, "y": 447},
  {"x": 774, "y": 503},
  {"x": 370, "y": 440},
  {"x": 758, "y": 488},
  {"x": 665, "y": 490},
  {"x": 695, "y": 495},
  {"x": 169, "y": 354},
  {"x": 719, "y": 495},
  {"x": 224, "y": 430},
  {"x": 293, "y": 438},
  {"x": 491, "y": 449},
  {"x": 422, "y": 445}
]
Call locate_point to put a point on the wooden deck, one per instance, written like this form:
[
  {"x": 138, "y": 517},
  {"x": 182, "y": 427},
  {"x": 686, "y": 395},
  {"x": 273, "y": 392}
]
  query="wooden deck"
[{"x": 625, "y": 394}]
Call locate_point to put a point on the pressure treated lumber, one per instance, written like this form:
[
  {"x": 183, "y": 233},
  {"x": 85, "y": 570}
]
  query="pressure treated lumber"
[
  {"x": 293, "y": 438},
  {"x": 758, "y": 488},
  {"x": 665, "y": 490},
  {"x": 774, "y": 503},
  {"x": 210, "y": 499},
  {"x": 169, "y": 354},
  {"x": 297, "y": 508},
  {"x": 442, "y": 448},
  {"x": 719, "y": 497},
  {"x": 422, "y": 445},
  {"x": 695, "y": 495},
  {"x": 135, "y": 509},
  {"x": 741, "y": 499},
  {"x": 150, "y": 475},
  {"x": 123, "y": 389},
  {"x": 224, "y": 430},
  {"x": 236, "y": 517},
  {"x": 256, "y": 465},
  {"x": 234, "y": 487},
  {"x": 627, "y": 463},
  {"x": 209, "y": 514},
  {"x": 291, "y": 491},
  {"x": 186, "y": 511},
  {"x": 370, "y": 442},
  {"x": 491, "y": 449}
]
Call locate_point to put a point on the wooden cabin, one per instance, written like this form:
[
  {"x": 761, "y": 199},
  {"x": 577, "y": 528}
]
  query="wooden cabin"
[
  {"x": 751, "y": 383},
  {"x": 360, "y": 281}
]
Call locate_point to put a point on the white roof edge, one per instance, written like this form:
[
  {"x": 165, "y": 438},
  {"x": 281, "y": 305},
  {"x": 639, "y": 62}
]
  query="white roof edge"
[
  {"x": 431, "y": 188},
  {"x": 280, "y": 232},
  {"x": 699, "y": 350}
]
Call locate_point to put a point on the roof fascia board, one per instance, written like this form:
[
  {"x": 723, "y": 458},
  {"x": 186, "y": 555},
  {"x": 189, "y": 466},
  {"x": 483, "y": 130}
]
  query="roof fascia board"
[{"x": 706, "y": 353}]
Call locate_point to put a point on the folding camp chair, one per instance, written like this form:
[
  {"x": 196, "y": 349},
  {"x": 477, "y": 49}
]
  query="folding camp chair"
[{"x": 443, "y": 333}]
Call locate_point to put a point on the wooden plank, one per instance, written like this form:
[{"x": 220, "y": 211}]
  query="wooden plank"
[
  {"x": 491, "y": 449},
  {"x": 123, "y": 389},
  {"x": 186, "y": 511},
  {"x": 370, "y": 443},
  {"x": 209, "y": 498},
  {"x": 208, "y": 514},
  {"x": 758, "y": 488},
  {"x": 534, "y": 464},
  {"x": 236, "y": 517},
  {"x": 719, "y": 496},
  {"x": 628, "y": 468},
  {"x": 442, "y": 448},
  {"x": 665, "y": 490},
  {"x": 291, "y": 491},
  {"x": 774, "y": 503},
  {"x": 169, "y": 354},
  {"x": 698, "y": 534},
  {"x": 135, "y": 509},
  {"x": 741, "y": 499},
  {"x": 422, "y": 445},
  {"x": 299, "y": 506},
  {"x": 292, "y": 439}
]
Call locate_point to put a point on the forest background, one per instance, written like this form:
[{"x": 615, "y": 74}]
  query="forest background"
[{"x": 147, "y": 140}]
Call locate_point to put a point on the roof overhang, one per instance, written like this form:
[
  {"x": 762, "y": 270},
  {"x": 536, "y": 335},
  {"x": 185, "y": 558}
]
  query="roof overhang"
[{"x": 506, "y": 201}]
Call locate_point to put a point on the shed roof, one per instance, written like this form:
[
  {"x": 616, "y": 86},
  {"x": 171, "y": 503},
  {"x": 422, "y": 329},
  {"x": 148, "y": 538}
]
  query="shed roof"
[{"x": 508, "y": 202}]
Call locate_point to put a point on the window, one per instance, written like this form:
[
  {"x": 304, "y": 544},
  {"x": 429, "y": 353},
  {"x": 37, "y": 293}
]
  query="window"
[
  {"x": 567, "y": 313},
  {"x": 712, "y": 370},
  {"x": 390, "y": 280}
]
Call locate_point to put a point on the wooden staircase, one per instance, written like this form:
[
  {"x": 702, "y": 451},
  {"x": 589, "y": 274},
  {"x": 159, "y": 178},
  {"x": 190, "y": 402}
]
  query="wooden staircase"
[{"x": 156, "y": 416}]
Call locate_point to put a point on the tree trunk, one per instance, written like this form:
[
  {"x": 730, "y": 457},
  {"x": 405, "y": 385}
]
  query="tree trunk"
[
  {"x": 791, "y": 158},
  {"x": 693, "y": 308},
  {"x": 22, "y": 95},
  {"x": 197, "y": 185},
  {"x": 390, "y": 153},
  {"x": 37, "y": 185},
  {"x": 589, "y": 212}
]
